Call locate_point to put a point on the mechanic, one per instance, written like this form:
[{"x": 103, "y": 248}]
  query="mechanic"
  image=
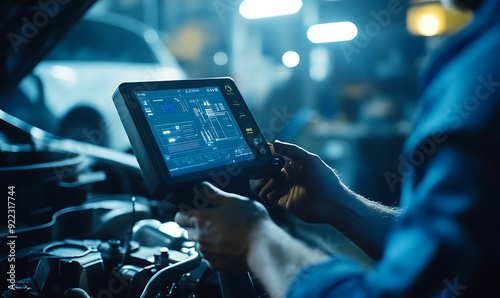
[{"x": 443, "y": 241}]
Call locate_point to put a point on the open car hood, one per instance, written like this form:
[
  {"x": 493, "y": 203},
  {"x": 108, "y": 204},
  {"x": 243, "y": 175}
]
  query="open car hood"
[{"x": 29, "y": 29}]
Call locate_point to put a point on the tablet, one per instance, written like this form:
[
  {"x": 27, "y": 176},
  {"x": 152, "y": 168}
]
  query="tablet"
[{"x": 183, "y": 132}]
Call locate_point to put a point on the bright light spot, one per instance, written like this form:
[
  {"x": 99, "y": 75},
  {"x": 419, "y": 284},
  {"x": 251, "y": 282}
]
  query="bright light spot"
[
  {"x": 332, "y": 32},
  {"x": 428, "y": 25},
  {"x": 171, "y": 228},
  {"x": 318, "y": 73},
  {"x": 220, "y": 58},
  {"x": 257, "y": 9},
  {"x": 335, "y": 149},
  {"x": 319, "y": 66},
  {"x": 37, "y": 133},
  {"x": 291, "y": 59},
  {"x": 63, "y": 73}
]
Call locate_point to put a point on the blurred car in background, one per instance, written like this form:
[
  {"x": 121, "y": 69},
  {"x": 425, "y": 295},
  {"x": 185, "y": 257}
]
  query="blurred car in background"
[{"x": 80, "y": 74}]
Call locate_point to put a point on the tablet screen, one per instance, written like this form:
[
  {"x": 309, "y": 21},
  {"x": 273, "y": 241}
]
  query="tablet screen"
[
  {"x": 188, "y": 131},
  {"x": 193, "y": 128}
]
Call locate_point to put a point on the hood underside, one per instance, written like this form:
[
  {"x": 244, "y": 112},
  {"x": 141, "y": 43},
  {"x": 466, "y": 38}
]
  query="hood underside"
[{"x": 29, "y": 29}]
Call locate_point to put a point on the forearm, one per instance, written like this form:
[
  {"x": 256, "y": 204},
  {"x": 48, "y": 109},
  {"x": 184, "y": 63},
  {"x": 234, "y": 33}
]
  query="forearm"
[
  {"x": 365, "y": 222},
  {"x": 276, "y": 258}
]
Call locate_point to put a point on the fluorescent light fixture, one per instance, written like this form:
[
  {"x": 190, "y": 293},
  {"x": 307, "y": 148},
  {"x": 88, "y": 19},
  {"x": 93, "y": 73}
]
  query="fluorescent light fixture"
[
  {"x": 319, "y": 63},
  {"x": 332, "y": 32},
  {"x": 258, "y": 9},
  {"x": 291, "y": 59}
]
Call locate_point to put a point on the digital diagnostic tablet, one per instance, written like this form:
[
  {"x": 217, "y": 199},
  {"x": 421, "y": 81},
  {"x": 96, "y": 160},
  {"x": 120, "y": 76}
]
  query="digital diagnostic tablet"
[{"x": 187, "y": 131}]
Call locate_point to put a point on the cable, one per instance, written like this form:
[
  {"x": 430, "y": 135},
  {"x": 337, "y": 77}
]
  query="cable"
[{"x": 170, "y": 274}]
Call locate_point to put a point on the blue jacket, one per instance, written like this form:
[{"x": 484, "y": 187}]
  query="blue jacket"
[{"x": 448, "y": 242}]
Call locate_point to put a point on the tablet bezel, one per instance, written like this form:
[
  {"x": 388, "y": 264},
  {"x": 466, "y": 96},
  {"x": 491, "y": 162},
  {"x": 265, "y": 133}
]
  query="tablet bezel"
[{"x": 153, "y": 166}]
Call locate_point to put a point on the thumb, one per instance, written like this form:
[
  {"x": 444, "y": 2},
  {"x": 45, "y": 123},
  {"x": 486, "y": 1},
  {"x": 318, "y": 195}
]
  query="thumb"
[
  {"x": 294, "y": 152},
  {"x": 218, "y": 197}
]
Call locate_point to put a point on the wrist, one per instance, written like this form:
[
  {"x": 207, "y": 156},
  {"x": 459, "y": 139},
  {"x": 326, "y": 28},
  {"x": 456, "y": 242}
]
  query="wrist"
[
  {"x": 267, "y": 257},
  {"x": 343, "y": 208},
  {"x": 263, "y": 233},
  {"x": 276, "y": 258}
]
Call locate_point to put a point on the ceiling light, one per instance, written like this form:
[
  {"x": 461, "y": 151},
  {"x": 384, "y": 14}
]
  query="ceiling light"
[
  {"x": 257, "y": 9},
  {"x": 332, "y": 32}
]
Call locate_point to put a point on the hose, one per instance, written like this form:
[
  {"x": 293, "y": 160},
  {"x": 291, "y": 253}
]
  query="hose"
[{"x": 170, "y": 274}]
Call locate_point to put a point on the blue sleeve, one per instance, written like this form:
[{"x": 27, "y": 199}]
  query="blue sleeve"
[
  {"x": 442, "y": 245},
  {"x": 448, "y": 242},
  {"x": 338, "y": 276}
]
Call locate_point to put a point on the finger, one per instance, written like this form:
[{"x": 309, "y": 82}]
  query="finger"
[
  {"x": 268, "y": 188},
  {"x": 275, "y": 195},
  {"x": 216, "y": 263},
  {"x": 262, "y": 186},
  {"x": 232, "y": 265},
  {"x": 218, "y": 197},
  {"x": 218, "y": 260},
  {"x": 294, "y": 152},
  {"x": 185, "y": 219},
  {"x": 273, "y": 151},
  {"x": 257, "y": 184},
  {"x": 193, "y": 234},
  {"x": 210, "y": 254}
]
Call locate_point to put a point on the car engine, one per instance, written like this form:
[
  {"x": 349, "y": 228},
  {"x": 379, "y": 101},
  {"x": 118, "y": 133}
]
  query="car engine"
[{"x": 81, "y": 225}]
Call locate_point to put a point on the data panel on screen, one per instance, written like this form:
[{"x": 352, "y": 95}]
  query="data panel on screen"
[{"x": 194, "y": 128}]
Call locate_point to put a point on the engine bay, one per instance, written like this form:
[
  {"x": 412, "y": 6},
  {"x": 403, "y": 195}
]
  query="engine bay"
[
  {"x": 81, "y": 225},
  {"x": 77, "y": 254}
]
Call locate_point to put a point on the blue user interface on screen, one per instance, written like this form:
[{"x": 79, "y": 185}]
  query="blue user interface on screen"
[{"x": 194, "y": 129}]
